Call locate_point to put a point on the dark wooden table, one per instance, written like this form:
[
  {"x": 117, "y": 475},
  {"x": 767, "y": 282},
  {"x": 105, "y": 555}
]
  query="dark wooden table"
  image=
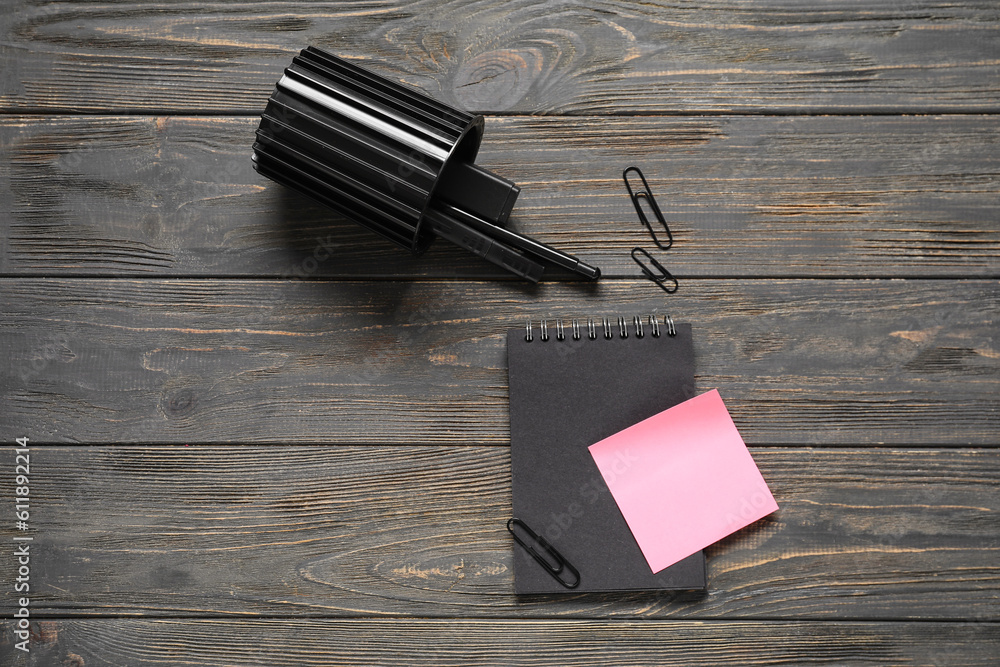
[{"x": 260, "y": 435}]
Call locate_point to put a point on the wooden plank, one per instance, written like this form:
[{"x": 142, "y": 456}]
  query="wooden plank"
[
  {"x": 443, "y": 643},
  {"x": 798, "y": 361},
  {"x": 419, "y": 530},
  {"x": 825, "y": 196},
  {"x": 502, "y": 56}
]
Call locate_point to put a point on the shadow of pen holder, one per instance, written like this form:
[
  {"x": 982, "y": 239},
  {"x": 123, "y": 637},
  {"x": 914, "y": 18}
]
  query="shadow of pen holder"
[{"x": 377, "y": 152}]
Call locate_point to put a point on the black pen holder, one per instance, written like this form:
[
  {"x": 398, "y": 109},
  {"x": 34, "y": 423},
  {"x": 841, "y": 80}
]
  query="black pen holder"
[{"x": 377, "y": 152}]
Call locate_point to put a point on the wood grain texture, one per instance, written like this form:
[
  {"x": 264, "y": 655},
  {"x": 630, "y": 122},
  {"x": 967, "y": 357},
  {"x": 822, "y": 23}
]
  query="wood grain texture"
[
  {"x": 441, "y": 643},
  {"x": 602, "y": 56},
  {"x": 841, "y": 273},
  {"x": 862, "y": 534},
  {"x": 798, "y": 361},
  {"x": 826, "y": 196}
]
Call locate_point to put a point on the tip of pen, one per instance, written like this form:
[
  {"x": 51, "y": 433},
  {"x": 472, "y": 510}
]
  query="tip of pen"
[{"x": 589, "y": 271}]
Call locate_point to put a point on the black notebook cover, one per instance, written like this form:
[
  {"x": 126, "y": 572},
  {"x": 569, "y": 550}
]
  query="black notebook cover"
[{"x": 565, "y": 396}]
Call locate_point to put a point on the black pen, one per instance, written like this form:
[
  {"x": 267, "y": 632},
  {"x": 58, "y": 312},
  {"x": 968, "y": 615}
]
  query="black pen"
[
  {"x": 523, "y": 243},
  {"x": 483, "y": 245}
]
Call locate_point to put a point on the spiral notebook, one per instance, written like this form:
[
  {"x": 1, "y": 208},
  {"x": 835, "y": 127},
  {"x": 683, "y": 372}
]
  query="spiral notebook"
[{"x": 572, "y": 385}]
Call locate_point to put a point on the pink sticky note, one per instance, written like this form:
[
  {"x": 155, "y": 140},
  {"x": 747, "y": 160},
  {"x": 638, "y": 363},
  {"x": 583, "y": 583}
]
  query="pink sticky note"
[{"x": 683, "y": 479}]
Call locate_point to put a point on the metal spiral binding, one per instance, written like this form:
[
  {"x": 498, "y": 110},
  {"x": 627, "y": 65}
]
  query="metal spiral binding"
[
  {"x": 622, "y": 328},
  {"x": 608, "y": 328}
]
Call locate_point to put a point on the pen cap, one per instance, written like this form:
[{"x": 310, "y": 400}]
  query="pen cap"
[{"x": 377, "y": 152}]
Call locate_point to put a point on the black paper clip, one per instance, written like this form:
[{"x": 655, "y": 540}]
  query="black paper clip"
[
  {"x": 661, "y": 278},
  {"x": 647, "y": 194},
  {"x": 554, "y": 563}
]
